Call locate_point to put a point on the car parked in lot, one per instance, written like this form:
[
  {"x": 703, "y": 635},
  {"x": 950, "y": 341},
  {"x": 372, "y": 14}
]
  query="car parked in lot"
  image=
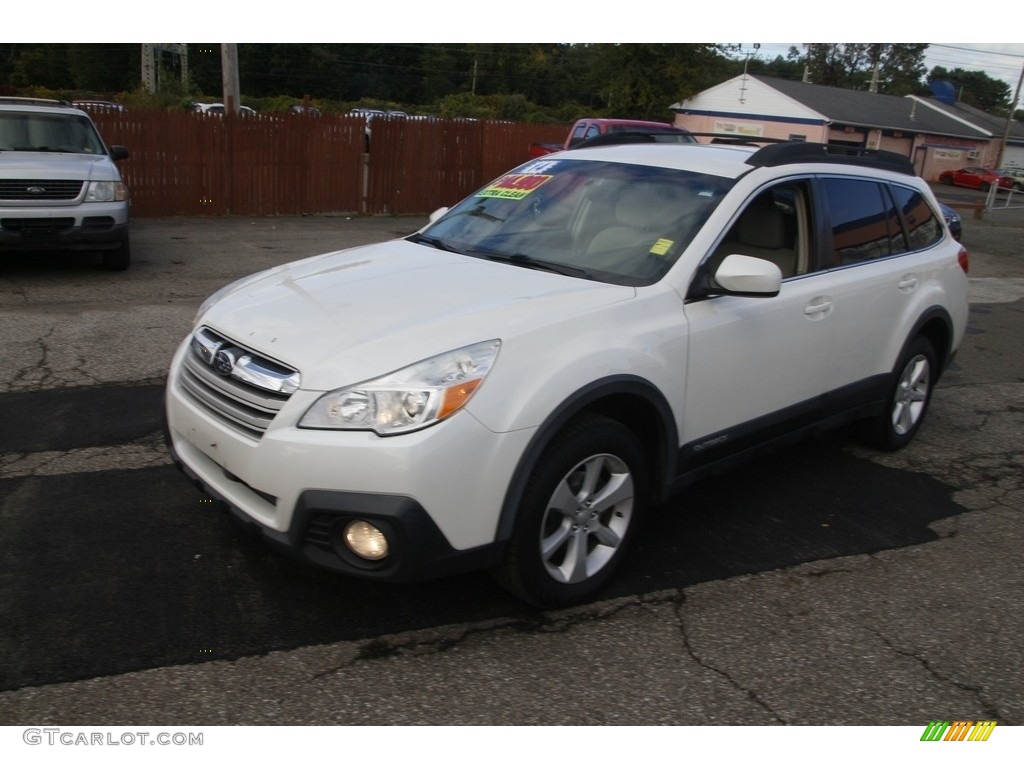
[
  {"x": 976, "y": 178},
  {"x": 95, "y": 105},
  {"x": 1016, "y": 175},
  {"x": 60, "y": 187},
  {"x": 953, "y": 221},
  {"x": 217, "y": 108},
  {"x": 513, "y": 386}
]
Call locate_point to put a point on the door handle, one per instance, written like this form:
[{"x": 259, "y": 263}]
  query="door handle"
[
  {"x": 818, "y": 308},
  {"x": 907, "y": 283}
]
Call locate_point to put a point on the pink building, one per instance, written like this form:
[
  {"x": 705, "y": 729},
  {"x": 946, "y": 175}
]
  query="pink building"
[{"x": 936, "y": 135}]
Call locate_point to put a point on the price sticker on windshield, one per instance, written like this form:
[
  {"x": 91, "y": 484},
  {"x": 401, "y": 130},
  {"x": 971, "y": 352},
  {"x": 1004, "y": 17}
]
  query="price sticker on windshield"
[
  {"x": 662, "y": 247},
  {"x": 514, "y": 186}
]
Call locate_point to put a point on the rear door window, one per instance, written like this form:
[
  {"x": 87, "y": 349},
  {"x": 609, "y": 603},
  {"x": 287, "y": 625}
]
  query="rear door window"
[
  {"x": 862, "y": 222},
  {"x": 922, "y": 225}
]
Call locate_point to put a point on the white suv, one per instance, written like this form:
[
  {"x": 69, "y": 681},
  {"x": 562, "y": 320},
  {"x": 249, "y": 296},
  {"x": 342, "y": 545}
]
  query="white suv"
[
  {"x": 59, "y": 183},
  {"x": 513, "y": 386}
]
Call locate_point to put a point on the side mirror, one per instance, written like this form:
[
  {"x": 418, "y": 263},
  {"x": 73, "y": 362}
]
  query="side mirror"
[
  {"x": 438, "y": 214},
  {"x": 742, "y": 275},
  {"x": 117, "y": 152}
]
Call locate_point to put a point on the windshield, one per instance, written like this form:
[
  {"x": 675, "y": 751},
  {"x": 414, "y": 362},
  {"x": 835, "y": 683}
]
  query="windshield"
[
  {"x": 38, "y": 132},
  {"x": 613, "y": 222}
]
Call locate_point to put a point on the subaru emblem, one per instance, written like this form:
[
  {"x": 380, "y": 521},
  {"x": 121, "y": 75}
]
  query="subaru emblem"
[{"x": 224, "y": 362}]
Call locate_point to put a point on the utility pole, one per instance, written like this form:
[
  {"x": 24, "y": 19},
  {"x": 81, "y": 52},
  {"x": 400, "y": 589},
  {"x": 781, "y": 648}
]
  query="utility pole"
[
  {"x": 1009, "y": 120},
  {"x": 151, "y": 63},
  {"x": 873, "y": 88},
  {"x": 229, "y": 77},
  {"x": 876, "y": 55}
]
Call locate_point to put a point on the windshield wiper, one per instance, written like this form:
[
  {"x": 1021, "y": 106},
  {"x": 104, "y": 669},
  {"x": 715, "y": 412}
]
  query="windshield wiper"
[
  {"x": 433, "y": 242},
  {"x": 522, "y": 260},
  {"x": 39, "y": 149},
  {"x": 481, "y": 213}
]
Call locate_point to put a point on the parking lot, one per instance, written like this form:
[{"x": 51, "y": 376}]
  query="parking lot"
[{"x": 824, "y": 584}]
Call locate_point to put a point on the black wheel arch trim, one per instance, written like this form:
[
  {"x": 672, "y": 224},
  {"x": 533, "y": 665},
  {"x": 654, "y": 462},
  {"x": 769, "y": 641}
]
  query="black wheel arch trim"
[
  {"x": 597, "y": 397},
  {"x": 943, "y": 346}
]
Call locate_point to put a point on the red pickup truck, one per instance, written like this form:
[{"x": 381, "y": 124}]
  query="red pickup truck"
[{"x": 589, "y": 127}]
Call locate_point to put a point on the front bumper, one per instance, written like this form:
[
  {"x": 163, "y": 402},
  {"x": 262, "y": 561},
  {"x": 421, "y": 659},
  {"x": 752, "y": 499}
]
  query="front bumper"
[
  {"x": 90, "y": 226},
  {"x": 419, "y": 550},
  {"x": 436, "y": 493}
]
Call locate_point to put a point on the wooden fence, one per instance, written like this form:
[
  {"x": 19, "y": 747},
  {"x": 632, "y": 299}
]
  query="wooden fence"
[{"x": 194, "y": 164}]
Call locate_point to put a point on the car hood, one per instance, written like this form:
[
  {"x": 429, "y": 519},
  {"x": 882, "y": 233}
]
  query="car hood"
[
  {"x": 57, "y": 165},
  {"x": 349, "y": 316}
]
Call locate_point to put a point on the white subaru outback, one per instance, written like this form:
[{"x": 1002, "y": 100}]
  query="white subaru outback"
[{"x": 513, "y": 386}]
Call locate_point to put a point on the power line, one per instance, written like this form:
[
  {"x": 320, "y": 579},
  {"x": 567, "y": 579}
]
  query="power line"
[{"x": 976, "y": 50}]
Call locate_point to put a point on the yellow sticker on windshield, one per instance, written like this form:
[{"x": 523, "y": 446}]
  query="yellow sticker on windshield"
[
  {"x": 514, "y": 186},
  {"x": 663, "y": 246}
]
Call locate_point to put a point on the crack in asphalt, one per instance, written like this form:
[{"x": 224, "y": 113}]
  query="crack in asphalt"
[
  {"x": 680, "y": 604},
  {"x": 35, "y": 375},
  {"x": 542, "y": 623},
  {"x": 990, "y": 711},
  {"x": 16, "y": 290},
  {"x": 42, "y": 374}
]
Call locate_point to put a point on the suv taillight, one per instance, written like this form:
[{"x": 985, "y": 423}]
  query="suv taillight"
[{"x": 964, "y": 259}]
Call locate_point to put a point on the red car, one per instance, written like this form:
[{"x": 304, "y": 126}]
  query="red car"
[{"x": 975, "y": 178}]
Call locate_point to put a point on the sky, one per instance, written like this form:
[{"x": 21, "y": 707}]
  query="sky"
[
  {"x": 311, "y": 21},
  {"x": 1000, "y": 61}
]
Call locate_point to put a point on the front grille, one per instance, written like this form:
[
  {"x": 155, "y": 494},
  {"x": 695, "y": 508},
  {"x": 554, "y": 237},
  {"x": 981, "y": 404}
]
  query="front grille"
[
  {"x": 39, "y": 189},
  {"x": 230, "y": 391},
  {"x": 29, "y": 227}
]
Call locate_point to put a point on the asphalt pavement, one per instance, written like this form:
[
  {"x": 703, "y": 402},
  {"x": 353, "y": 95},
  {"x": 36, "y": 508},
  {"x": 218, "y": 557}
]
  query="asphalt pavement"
[{"x": 823, "y": 585}]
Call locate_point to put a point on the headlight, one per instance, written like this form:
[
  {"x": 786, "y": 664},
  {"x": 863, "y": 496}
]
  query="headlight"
[
  {"x": 106, "y": 192},
  {"x": 408, "y": 399}
]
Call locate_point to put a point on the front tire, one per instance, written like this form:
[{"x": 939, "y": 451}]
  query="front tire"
[
  {"x": 910, "y": 395},
  {"x": 580, "y": 508},
  {"x": 118, "y": 259}
]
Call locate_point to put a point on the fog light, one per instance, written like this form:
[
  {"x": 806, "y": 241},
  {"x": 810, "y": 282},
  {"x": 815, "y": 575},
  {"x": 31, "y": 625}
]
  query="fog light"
[{"x": 366, "y": 540}]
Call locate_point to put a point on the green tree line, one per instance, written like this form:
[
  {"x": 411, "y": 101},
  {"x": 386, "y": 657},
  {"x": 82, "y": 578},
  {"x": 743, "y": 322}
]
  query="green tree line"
[{"x": 522, "y": 81}]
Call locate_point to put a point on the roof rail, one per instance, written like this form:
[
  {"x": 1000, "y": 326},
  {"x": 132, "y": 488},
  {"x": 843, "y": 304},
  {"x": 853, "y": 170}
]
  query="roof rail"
[
  {"x": 27, "y": 101},
  {"x": 638, "y": 136},
  {"x": 736, "y": 138},
  {"x": 808, "y": 152}
]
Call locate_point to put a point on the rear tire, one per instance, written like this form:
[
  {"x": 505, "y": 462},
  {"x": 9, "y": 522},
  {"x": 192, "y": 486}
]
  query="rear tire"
[
  {"x": 582, "y": 503},
  {"x": 909, "y": 396}
]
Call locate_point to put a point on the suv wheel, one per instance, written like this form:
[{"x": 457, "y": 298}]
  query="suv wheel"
[
  {"x": 580, "y": 507},
  {"x": 119, "y": 258},
  {"x": 908, "y": 400}
]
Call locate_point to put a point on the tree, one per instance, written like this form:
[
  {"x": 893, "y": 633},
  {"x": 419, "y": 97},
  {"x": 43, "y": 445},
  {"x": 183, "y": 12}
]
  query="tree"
[
  {"x": 852, "y": 65},
  {"x": 41, "y": 65},
  {"x": 787, "y": 68},
  {"x": 976, "y": 88},
  {"x": 641, "y": 80}
]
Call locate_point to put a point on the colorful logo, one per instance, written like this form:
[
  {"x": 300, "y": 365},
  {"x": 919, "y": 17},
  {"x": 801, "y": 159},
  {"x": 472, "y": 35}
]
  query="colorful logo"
[{"x": 958, "y": 730}]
